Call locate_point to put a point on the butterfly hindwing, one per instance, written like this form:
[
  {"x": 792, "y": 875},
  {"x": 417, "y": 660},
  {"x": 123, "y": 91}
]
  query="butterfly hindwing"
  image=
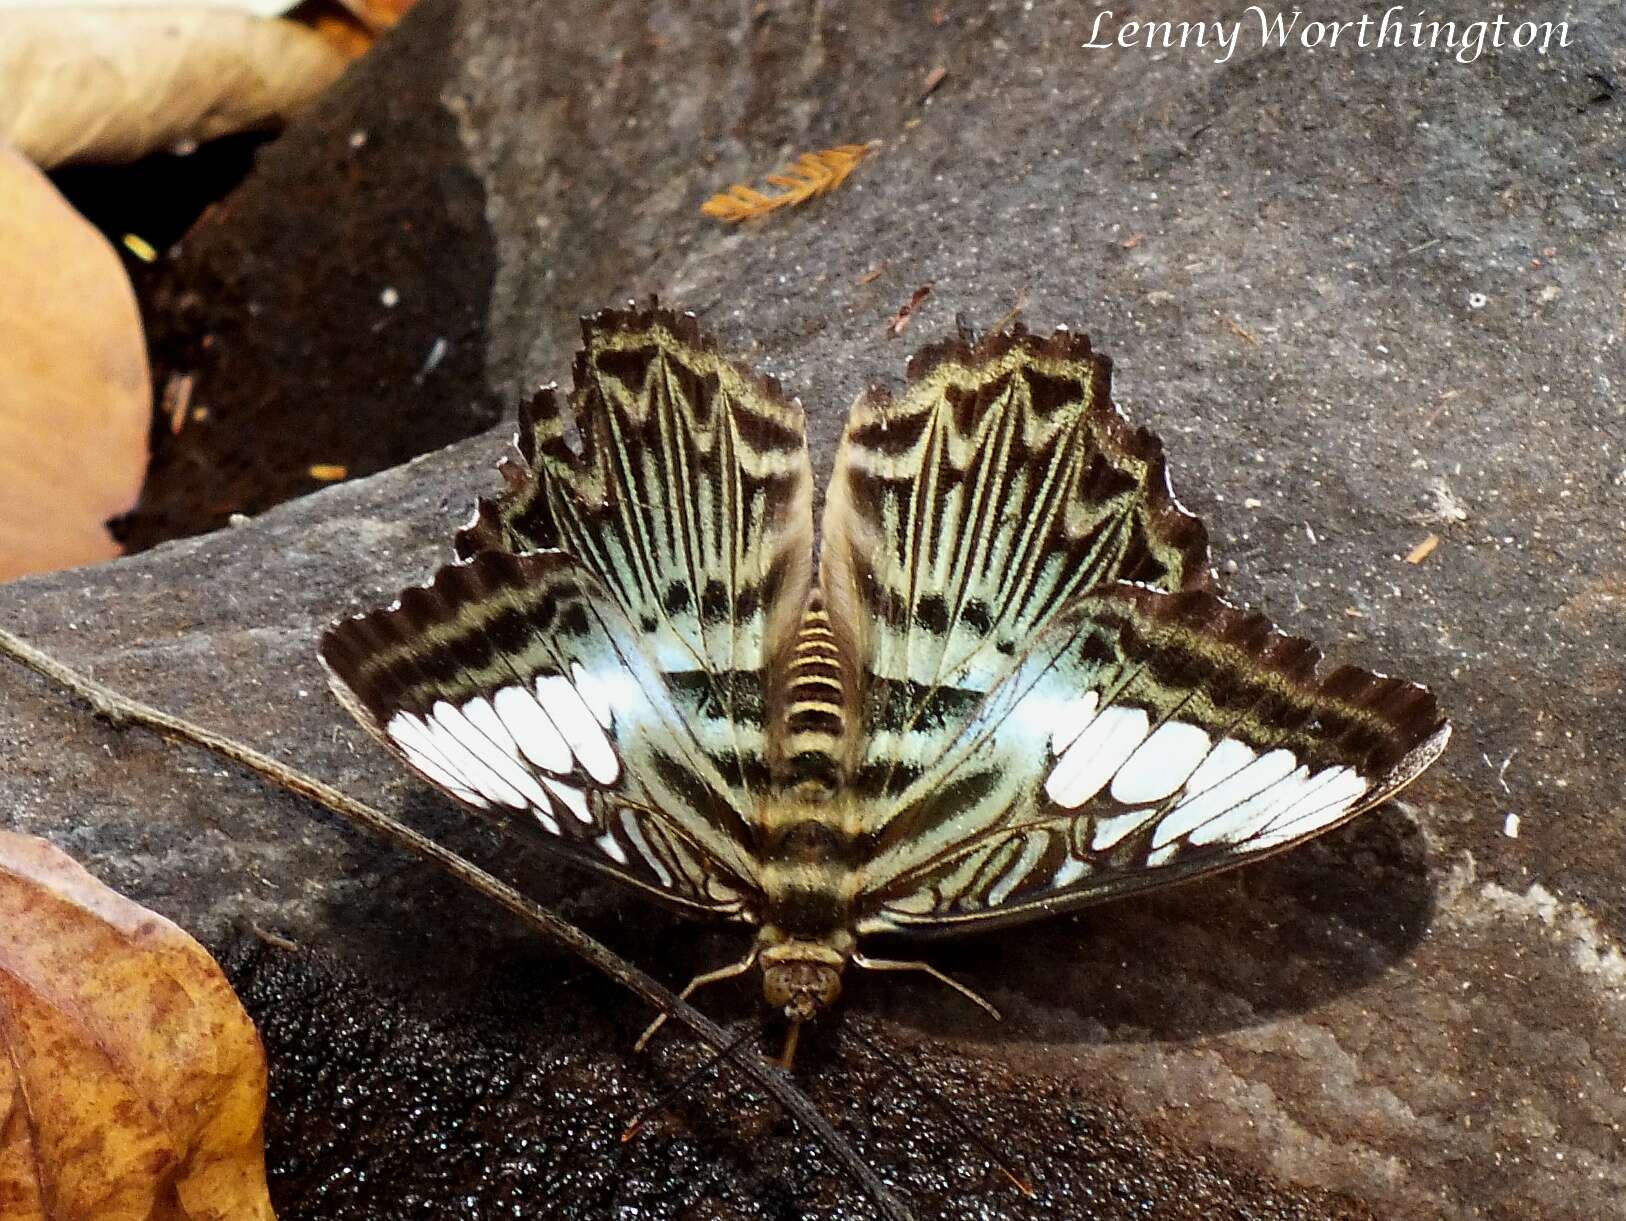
[
  {"x": 516, "y": 685},
  {"x": 1145, "y": 738}
]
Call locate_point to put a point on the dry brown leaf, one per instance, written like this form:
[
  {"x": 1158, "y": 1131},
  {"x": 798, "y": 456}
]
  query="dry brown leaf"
[
  {"x": 75, "y": 392},
  {"x": 813, "y": 174},
  {"x": 115, "y": 83},
  {"x": 132, "y": 1084},
  {"x": 1423, "y": 549}
]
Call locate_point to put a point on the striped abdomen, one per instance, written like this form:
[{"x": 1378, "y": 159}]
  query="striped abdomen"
[{"x": 814, "y": 703}]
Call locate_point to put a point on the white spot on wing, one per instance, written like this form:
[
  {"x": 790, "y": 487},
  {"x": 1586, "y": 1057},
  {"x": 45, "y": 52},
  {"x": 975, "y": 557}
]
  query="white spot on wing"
[
  {"x": 1193, "y": 812},
  {"x": 1161, "y": 764},
  {"x": 575, "y": 720},
  {"x": 407, "y": 729},
  {"x": 1162, "y": 856},
  {"x": 1074, "y": 719},
  {"x": 1243, "y": 820},
  {"x": 506, "y": 755},
  {"x": 1109, "y": 831},
  {"x": 1071, "y": 870},
  {"x": 537, "y": 738},
  {"x": 1032, "y": 850},
  {"x": 1225, "y": 760},
  {"x": 1327, "y": 804},
  {"x": 607, "y": 843},
  {"x": 409, "y": 733},
  {"x": 1098, "y": 752},
  {"x": 635, "y": 833},
  {"x": 573, "y": 798},
  {"x": 472, "y": 753}
]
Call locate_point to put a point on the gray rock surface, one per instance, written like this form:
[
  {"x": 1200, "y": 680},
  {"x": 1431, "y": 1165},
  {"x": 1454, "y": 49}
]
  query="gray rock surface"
[{"x": 1359, "y": 293}]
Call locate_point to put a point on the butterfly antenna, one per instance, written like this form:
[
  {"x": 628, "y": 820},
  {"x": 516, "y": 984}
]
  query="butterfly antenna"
[
  {"x": 689, "y": 1078},
  {"x": 966, "y": 1131}
]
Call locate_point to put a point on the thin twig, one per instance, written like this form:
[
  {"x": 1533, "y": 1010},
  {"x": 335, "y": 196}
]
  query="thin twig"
[{"x": 121, "y": 710}]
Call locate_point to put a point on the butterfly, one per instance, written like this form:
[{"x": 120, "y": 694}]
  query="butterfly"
[{"x": 1009, "y": 688}]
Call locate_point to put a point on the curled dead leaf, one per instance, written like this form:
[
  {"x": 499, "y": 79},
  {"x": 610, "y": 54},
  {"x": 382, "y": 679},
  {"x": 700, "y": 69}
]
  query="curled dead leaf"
[
  {"x": 132, "y": 1084},
  {"x": 75, "y": 391},
  {"x": 116, "y": 83}
]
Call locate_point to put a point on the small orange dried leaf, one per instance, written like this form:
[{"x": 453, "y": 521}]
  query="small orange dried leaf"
[
  {"x": 813, "y": 174},
  {"x": 1423, "y": 549},
  {"x": 132, "y": 1084}
]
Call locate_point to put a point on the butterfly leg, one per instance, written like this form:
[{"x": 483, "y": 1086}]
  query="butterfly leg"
[
  {"x": 887, "y": 964},
  {"x": 699, "y": 981}
]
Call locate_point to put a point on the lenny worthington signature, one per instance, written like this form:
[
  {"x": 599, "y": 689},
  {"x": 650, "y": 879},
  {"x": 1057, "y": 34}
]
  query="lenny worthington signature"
[{"x": 1468, "y": 39}]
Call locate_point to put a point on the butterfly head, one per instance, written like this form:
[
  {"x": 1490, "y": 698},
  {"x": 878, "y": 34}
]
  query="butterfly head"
[{"x": 802, "y": 977}]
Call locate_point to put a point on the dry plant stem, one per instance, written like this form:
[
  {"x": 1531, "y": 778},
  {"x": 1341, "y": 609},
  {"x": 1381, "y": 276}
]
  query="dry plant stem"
[{"x": 120, "y": 710}]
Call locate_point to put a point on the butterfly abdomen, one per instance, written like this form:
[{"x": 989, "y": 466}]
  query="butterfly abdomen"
[{"x": 815, "y": 708}]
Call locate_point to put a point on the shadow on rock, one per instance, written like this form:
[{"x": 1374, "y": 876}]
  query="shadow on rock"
[{"x": 1279, "y": 937}]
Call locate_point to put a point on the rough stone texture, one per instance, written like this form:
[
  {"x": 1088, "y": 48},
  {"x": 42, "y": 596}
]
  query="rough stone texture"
[{"x": 1420, "y": 1015}]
